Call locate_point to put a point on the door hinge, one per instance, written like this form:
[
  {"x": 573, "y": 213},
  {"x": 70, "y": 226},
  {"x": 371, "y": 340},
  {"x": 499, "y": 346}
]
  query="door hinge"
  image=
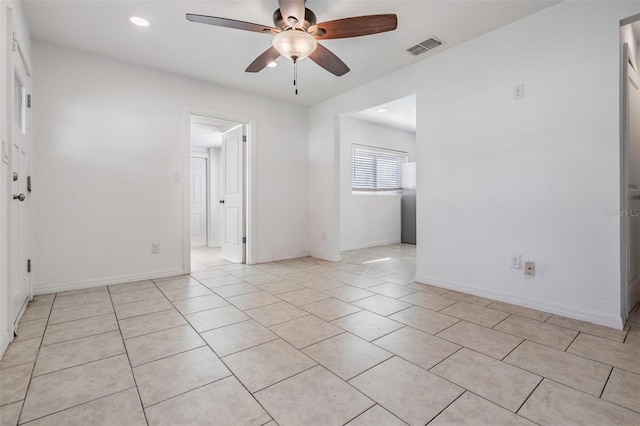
[
  {"x": 244, "y": 138},
  {"x": 244, "y": 240},
  {"x": 28, "y": 101},
  {"x": 29, "y": 183},
  {"x": 28, "y": 265}
]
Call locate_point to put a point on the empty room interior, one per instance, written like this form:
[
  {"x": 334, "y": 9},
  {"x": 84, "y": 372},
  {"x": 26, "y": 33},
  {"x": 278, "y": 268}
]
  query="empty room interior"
[{"x": 321, "y": 212}]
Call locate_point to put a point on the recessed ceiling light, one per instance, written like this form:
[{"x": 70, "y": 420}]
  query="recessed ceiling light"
[
  {"x": 272, "y": 64},
  {"x": 137, "y": 20},
  {"x": 381, "y": 110}
]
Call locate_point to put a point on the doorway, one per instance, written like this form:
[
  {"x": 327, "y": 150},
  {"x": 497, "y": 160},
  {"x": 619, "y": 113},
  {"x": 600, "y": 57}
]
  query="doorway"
[
  {"x": 217, "y": 192},
  {"x": 377, "y": 175},
  {"x": 630, "y": 163}
]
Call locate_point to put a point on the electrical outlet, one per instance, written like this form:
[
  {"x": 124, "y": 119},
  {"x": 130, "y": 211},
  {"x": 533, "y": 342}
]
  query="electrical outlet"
[
  {"x": 518, "y": 91},
  {"x": 530, "y": 268},
  {"x": 155, "y": 248},
  {"x": 515, "y": 261},
  {"x": 177, "y": 178}
]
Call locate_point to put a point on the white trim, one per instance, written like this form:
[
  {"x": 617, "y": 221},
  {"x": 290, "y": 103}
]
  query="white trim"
[
  {"x": 17, "y": 48},
  {"x": 98, "y": 282},
  {"x": 250, "y": 172},
  {"x": 321, "y": 256},
  {"x": 278, "y": 258},
  {"x": 369, "y": 244},
  {"x": 624, "y": 221},
  {"x": 611, "y": 321}
]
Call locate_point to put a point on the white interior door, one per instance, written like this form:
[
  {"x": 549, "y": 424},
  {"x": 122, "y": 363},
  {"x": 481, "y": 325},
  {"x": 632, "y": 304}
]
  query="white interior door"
[
  {"x": 21, "y": 168},
  {"x": 633, "y": 182},
  {"x": 198, "y": 201},
  {"x": 232, "y": 195}
]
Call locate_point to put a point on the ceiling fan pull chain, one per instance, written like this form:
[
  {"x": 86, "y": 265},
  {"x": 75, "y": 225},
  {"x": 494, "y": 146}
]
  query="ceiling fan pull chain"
[{"x": 295, "y": 73}]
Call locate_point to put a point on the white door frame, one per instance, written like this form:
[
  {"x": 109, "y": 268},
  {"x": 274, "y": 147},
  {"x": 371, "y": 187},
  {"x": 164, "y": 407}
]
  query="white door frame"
[
  {"x": 205, "y": 156},
  {"x": 624, "y": 181},
  {"x": 250, "y": 179}
]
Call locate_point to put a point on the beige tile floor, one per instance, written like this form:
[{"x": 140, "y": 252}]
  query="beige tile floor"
[
  {"x": 203, "y": 258},
  {"x": 308, "y": 342}
]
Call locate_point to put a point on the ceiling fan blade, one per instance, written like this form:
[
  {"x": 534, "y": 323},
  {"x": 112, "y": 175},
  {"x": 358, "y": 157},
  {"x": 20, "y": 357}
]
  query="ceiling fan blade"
[
  {"x": 329, "y": 61},
  {"x": 293, "y": 8},
  {"x": 270, "y": 55},
  {"x": 231, "y": 23},
  {"x": 354, "y": 27}
]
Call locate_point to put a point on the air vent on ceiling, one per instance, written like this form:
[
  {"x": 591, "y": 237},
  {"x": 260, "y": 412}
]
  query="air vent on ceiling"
[{"x": 425, "y": 46}]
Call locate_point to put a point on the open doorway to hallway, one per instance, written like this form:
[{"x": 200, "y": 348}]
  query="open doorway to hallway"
[
  {"x": 630, "y": 164},
  {"x": 378, "y": 177},
  {"x": 216, "y": 171}
]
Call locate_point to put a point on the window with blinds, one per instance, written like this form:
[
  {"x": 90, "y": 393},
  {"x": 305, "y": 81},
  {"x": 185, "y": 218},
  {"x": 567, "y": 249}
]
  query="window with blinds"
[{"x": 376, "y": 169}]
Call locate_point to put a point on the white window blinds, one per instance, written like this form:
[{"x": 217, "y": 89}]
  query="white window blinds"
[{"x": 376, "y": 169}]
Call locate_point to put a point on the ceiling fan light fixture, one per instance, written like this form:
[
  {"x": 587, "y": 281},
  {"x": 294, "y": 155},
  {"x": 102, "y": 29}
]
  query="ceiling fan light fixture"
[
  {"x": 294, "y": 44},
  {"x": 272, "y": 64}
]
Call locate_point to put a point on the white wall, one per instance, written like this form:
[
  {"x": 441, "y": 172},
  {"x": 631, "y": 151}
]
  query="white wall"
[
  {"x": 500, "y": 177},
  {"x": 11, "y": 18},
  {"x": 369, "y": 219},
  {"x": 108, "y": 140}
]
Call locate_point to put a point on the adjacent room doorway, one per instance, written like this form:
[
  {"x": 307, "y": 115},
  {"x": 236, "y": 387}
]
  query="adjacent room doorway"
[
  {"x": 378, "y": 175},
  {"x": 217, "y": 191},
  {"x": 630, "y": 163}
]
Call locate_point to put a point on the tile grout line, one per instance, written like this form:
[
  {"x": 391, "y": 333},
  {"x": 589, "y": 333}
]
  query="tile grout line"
[
  {"x": 78, "y": 405},
  {"x": 509, "y": 315},
  {"x": 127, "y": 354},
  {"x": 512, "y": 350},
  {"x": 187, "y": 391},
  {"x": 78, "y": 338},
  {"x": 449, "y": 404},
  {"x": 24, "y": 399},
  {"x": 220, "y": 359},
  {"x": 370, "y": 408},
  {"x": 606, "y": 382},
  {"x": 530, "y": 394}
]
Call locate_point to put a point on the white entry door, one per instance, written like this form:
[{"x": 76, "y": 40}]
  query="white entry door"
[
  {"x": 232, "y": 195},
  {"x": 199, "y": 201},
  {"x": 20, "y": 249},
  {"x": 633, "y": 183}
]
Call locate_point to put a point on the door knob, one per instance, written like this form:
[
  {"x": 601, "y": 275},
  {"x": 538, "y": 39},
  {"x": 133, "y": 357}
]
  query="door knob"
[
  {"x": 20, "y": 197},
  {"x": 221, "y": 201}
]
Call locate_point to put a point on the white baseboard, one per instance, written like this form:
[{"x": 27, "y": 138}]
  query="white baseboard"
[
  {"x": 369, "y": 244},
  {"x": 322, "y": 256},
  {"x": 611, "y": 321},
  {"x": 97, "y": 282},
  {"x": 5, "y": 339},
  {"x": 277, "y": 258}
]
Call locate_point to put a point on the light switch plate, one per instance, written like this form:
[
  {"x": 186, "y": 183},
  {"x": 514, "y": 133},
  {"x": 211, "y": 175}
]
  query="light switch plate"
[{"x": 518, "y": 91}]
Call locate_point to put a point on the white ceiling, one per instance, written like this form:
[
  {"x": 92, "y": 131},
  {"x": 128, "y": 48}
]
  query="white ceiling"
[
  {"x": 399, "y": 114},
  {"x": 207, "y": 132},
  {"x": 220, "y": 55}
]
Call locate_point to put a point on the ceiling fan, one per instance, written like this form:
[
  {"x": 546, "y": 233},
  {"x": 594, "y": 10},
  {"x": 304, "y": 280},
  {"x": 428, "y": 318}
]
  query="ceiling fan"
[{"x": 296, "y": 34}]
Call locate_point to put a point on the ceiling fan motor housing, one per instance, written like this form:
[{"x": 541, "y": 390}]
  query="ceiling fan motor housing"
[{"x": 280, "y": 22}]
